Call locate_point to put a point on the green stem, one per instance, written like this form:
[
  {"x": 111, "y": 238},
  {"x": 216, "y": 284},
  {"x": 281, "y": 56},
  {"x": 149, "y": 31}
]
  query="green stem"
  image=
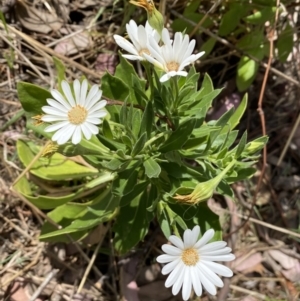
[
  {"x": 155, "y": 138},
  {"x": 150, "y": 78},
  {"x": 174, "y": 84}
]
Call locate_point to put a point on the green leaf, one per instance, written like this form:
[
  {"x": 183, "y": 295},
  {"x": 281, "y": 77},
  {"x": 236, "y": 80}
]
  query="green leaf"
[
  {"x": 126, "y": 181},
  {"x": 58, "y": 167},
  {"x": 114, "y": 88},
  {"x": 207, "y": 47},
  {"x": 199, "y": 215},
  {"x": 102, "y": 210},
  {"x": 163, "y": 219},
  {"x": 177, "y": 138},
  {"x": 131, "y": 225},
  {"x": 238, "y": 113},
  {"x": 241, "y": 145},
  {"x": 147, "y": 120},
  {"x": 247, "y": 69},
  {"x": 32, "y": 97},
  {"x": 285, "y": 43},
  {"x": 261, "y": 17},
  {"x": 152, "y": 168},
  {"x": 138, "y": 189},
  {"x": 107, "y": 132},
  {"x": 138, "y": 147},
  {"x": 230, "y": 20}
]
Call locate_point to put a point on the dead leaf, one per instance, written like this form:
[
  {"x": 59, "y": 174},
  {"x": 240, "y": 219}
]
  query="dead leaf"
[
  {"x": 37, "y": 20},
  {"x": 106, "y": 62},
  {"x": 248, "y": 263},
  {"x": 286, "y": 261},
  {"x": 293, "y": 274},
  {"x": 74, "y": 44}
]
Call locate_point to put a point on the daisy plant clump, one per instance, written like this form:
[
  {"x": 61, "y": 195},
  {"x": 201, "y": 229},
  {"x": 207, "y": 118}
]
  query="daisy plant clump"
[{"x": 137, "y": 150}]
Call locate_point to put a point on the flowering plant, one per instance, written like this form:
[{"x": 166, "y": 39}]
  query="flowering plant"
[{"x": 135, "y": 150}]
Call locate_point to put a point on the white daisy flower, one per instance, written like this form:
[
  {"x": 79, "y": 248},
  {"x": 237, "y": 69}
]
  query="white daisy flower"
[
  {"x": 191, "y": 263},
  {"x": 173, "y": 56},
  {"x": 72, "y": 117},
  {"x": 139, "y": 38}
]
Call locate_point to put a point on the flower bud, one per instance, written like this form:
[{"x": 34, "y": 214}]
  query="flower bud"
[
  {"x": 50, "y": 149},
  {"x": 155, "y": 18},
  {"x": 203, "y": 191}
]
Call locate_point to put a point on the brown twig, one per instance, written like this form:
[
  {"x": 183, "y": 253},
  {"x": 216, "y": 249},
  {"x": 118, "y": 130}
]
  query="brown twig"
[{"x": 262, "y": 119}]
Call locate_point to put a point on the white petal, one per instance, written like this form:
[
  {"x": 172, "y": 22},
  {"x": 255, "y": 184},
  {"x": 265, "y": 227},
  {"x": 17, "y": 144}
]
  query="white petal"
[
  {"x": 76, "y": 87},
  {"x": 223, "y": 251},
  {"x": 180, "y": 278},
  {"x": 51, "y": 118},
  {"x": 206, "y": 283},
  {"x": 196, "y": 281},
  {"x": 208, "y": 235},
  {"x": 168, "y": 268},
  {"x": 181, "y": 73},
  {"x": 57, "y": 105},
  {"x": 86, "y": 132},
  {"x": 92, "y": 128},
  {"x": 93, "y": 120},
  {"x": 195, "y": 234},
  {"x": 64, "y": 134},
  {"x": 211, "y": 276},
  {"x": 68, "y": 93},
  {"x": 123, "y": 43},
  {"x": 187, "y": 284},
  {"x": 100, "y": 105},
  {"x": 175, "y": 274},
  {"x": 187, "y": 238},
  {"x": 83, "y": 91},
  {"x": 165, "y": 36},
  {"x": 227, "y": 257},
  {"x": 213, "y": 246},
  {"x": 94, "y": 90},
  {"x": 53, "y": 111},
  {"x": 76, "y": 138},
  {"x": 171, "y": 250},
  {"x": 165, "y": 77},
  {"x": 93, "y": 100},
  {"x": 58, "y": 96},
  {"x": 176, "y": 241},
  {"x": 133, "y": 57},
  {"x": 98, "y": 114},
  {"x": 218, "y": 268},
  {"x": 56, "y": 126},
  {"x": 143, "y": 36},
  {"x": 153, "y": 61},
  {"x": 166, "y": 258}
]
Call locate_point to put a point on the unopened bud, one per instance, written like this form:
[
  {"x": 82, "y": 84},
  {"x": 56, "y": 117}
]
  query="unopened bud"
[
  {"x": 155, "y": 18},
  {"x": 203, "y": 191}
]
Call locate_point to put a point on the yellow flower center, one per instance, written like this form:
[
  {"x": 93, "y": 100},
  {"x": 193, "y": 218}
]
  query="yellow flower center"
[
  {"x": 77, "y": 115},
  {"x": 190, "y": 257},
  {"x": 144, "y": 50},
  {"x": 173, "y": 66}
]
